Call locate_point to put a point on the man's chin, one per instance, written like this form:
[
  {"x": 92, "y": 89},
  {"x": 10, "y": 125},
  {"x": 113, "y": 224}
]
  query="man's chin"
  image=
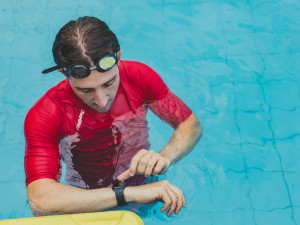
[{"x": 102, "y": 110}]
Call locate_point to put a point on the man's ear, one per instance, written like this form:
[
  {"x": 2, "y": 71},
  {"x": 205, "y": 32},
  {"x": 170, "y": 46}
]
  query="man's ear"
[
  {"x": 60, "y": 70},
  {"x": 119, "y": 55}
]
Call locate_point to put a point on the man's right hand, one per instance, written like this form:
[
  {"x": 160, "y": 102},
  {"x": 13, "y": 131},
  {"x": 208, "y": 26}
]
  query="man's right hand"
[{"x": 158, "y": 191}]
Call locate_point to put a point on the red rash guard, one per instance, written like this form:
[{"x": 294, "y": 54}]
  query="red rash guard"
[{"x": 97, "y": 147}]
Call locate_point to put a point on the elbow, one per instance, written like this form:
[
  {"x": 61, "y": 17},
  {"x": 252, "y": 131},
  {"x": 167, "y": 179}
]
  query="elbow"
[
  {"x": 39, "y": 201},
  {"x": 39, "y": 210},
  {"x": 198, "y": 129}
]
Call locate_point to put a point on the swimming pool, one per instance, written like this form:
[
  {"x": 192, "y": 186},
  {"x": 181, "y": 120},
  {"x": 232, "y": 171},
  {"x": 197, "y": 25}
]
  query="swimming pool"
[{"x": 235, "y": 63}]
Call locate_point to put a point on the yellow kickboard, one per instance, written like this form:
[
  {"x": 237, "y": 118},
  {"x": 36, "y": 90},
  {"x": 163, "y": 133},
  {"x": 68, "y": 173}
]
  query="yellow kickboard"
[{"x": 98, "y": 218}]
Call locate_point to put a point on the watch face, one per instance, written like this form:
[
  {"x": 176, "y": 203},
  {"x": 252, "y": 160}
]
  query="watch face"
[
  {"x": 118, "y": 183},
  {"x": 119, "y": 188}
]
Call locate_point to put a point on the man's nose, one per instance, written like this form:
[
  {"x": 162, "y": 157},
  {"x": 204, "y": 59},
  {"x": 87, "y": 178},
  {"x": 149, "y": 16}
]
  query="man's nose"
[{"x": 100, "y": 98}]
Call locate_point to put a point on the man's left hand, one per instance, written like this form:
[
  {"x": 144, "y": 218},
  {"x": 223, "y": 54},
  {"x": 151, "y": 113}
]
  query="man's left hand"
[{"x": 146, "y": 162}]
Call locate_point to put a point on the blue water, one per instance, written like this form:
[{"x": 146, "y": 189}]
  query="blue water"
[{"x": 235, "y": 63}]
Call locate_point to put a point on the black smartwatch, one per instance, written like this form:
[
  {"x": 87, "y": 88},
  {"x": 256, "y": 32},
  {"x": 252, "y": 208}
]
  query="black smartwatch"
[{"x": 119, "y": 191}]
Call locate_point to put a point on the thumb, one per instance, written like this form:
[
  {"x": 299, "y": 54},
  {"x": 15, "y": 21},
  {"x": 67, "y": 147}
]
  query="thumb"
[{"x": 123, "y": 176}]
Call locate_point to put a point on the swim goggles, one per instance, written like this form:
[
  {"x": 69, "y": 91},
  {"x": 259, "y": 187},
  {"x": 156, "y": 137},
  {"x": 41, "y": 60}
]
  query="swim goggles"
[{"x": 82, "y": 71}]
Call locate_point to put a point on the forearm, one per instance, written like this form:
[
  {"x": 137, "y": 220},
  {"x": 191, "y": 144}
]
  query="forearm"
[
  {"x": 185, "y": 137},
  {"x": 50, "y": 196},
  {"x": 47, "y": 196}
]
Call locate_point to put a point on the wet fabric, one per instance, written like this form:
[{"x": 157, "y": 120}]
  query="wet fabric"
[{"x": 97, "y": 147}]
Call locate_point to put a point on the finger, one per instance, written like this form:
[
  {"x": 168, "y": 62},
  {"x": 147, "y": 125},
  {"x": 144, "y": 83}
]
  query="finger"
[
  {"x": 150, "y": 166},
  {"x": 135, "y": 160},
  {"x": 160, "y": 165},
  {"x": 123, "y": 176},
  {"x": 173, "y": 201},
  {"x": 142, "y": 164},
  {"x": 166, "y": 199},
  {"x": 180, "y": 198}
]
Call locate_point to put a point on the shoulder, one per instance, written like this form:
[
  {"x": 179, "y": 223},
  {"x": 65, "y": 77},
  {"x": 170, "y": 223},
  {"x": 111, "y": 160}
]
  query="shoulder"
[
  {"x": 51, "y": 100},
  {"x": 142, "y": 78},
  {"x": 47, "y": 111},
  {"x": 134, "y": 64},
  {"x": 138, "y": 73},
  {"x": 134, "y": 69}
]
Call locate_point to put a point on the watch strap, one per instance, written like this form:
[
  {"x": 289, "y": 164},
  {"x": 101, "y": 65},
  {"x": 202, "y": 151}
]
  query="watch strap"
[{"x": 119, "y": 191}]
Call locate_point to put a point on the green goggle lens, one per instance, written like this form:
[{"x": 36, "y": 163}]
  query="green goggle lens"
[{"x": 107, "y": 62}]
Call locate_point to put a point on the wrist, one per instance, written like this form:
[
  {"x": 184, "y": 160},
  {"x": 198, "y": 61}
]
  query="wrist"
[
  {"x": 129, "y": 194},
  {"x": 167, "y": 158}
]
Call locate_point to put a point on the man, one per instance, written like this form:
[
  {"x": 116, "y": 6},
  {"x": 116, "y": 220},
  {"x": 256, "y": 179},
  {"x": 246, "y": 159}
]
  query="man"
[{"x": 95, "y": 120}]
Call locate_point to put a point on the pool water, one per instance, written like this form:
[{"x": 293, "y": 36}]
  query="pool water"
[{"x": 235, "y": 63}]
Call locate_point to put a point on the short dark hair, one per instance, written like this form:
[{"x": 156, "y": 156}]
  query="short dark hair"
[{"x": 84, "y": 41}]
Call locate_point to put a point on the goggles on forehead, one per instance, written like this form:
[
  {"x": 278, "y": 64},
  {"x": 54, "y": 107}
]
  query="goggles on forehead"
[{"x": 82, "y": 71}]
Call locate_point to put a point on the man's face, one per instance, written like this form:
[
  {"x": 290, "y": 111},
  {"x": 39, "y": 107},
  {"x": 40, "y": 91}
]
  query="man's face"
[{"x": 98, "y": 90}]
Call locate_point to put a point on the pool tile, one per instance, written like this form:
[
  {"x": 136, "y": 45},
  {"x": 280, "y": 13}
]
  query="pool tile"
[
  {"x": 297, "y": 214},
  {"x": 293, "y": 183},
  {"x": 268, "y": 190},
  {"x": 261, "y": 157},
  {"x": 246, "y": 63},
  {"x": 210, "y": 45},
  {"x": 36, "y": 18},
  {"x": 12, "y": 134},
  {"x": 220, "y": 128},
  {"x": 6, "y": 71},
  {"x": 280, "y": 66},
  {"x": 30, "y": 51},
  {"x": 222, "y": 97},
  {"x": 196, "y": 190},
  {"x": 6, "y": 19},
  {"x": 215, "y": 72},
  {"x": 289, "y": 150},
  {"x": 3, "y": 118},
  {"x": 277, "y": 95},
  {"x": 7, "y": 40},
  {"x": 236, "y": 217},
  {"x": 293, "y": 40},
  {"x": 249, "y": 97},
  {"x": 30, "y": 70},
  {"x": 209, "y": 13},
  {"x": 223, "y": 157},
  {"x": 240, "y": 42},
  {"x": 199, "y": 96},
  {"x": 241, "y": 12},
  {"x": 15, "y": 199},
  {"x": 229, "y": 192},
  {"x": 274, "y": 217},
  {"x": 12, "y": 171},
  {"x": 245, "y": 77},
  {"x": 285, "y": 123},
  {"x": 254, "y": 127},
  {"x": 264, "y": 14},
  {"x": 269, "y": 43}
]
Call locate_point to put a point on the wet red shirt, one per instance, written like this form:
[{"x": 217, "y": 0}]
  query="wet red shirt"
[{"x": 97, "y": 147}]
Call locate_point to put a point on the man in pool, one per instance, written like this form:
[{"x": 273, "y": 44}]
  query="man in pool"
[{"x": 95, "y": 121}]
